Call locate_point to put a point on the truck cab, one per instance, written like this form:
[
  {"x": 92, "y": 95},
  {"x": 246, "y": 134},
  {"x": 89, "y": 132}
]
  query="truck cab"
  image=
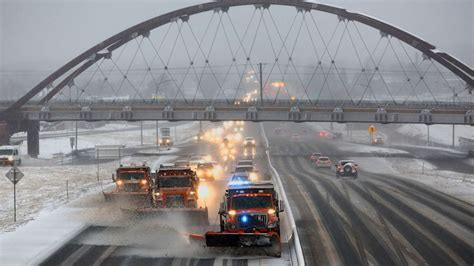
[
  {"x": 10, "y": 155},
  {"x": 175, "y": 188},
  {"x": 130, "y": 181},
  {"x": 249, "y": 216},
  {"x": 166, "y": 141}
]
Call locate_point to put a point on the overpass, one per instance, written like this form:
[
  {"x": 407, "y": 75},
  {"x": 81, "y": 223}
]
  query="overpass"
[{"x": 199, "y": 63}]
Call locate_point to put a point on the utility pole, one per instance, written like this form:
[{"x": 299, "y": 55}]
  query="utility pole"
[
  {"x": 76, "y": 137},
  {"x": 260, "y": 67},
  {"x": 141, "y": 132},
  {"x": 157, "y": 136}
]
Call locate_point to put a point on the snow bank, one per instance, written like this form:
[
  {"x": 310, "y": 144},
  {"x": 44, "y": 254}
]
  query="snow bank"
[{"x": 438, "y": 133}]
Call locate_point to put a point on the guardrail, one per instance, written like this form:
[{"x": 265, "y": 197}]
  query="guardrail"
[{"x": 294, "y": 244}]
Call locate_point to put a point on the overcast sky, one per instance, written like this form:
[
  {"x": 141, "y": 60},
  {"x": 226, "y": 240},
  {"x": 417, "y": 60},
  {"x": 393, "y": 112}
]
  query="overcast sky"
[{"x": 44, "y": 34}]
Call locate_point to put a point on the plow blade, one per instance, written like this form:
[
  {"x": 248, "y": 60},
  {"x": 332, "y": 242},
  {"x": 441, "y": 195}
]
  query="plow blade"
[
  {"x": 270, "y": 242},
  {"x": 193, "y": 216}
]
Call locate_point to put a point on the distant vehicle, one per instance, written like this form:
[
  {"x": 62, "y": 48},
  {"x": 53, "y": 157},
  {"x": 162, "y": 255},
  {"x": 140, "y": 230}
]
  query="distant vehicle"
[
  {"x": 347, "y": 168},
  {"x": 337, "y": 135},
  {"x": 247, "y": 169},
  {"x": 167, "y": 165},
  {"x": 249, "y": 217},
  {"x": 166, "y": 140},
  {"x": 323, "y": 134},
  {"x": 206, "y": 171},
  {"x": 249, "y": 142},
  {"x": 10, "y": 155},
  {"x": 323, "y": 162},
  {"x": 245, "y": 162},
  {"x": 195, "y": 160},
  {"x": 132, "y": 183},
  {"x": 315, "y": 156},
  {"x": 239, "y": 178},
  {"x": 377, "y": 141},
  {"x": 181, "y": 163}
]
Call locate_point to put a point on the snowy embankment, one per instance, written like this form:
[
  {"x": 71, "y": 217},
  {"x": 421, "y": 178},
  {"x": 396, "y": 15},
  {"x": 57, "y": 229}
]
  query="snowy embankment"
[
  {"x": 44, "y": 186},
  {"x": 118, "y": 134},
  {"x": 441, "y": 134}
]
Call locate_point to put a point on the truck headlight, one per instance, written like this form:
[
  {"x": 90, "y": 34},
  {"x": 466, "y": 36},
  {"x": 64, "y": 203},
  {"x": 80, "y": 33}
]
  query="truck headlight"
[
  {"x": 10, "y": 158},
  {"x": 272, "y": 225}
]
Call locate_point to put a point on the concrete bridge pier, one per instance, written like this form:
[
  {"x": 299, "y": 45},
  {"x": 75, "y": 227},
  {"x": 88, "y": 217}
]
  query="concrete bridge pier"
[
  {"x": 33, "y": 138},
  {"x": 4, "y": 133}
]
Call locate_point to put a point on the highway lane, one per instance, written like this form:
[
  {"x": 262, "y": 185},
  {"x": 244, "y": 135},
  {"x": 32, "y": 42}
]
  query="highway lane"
[
  {"x": 379, "y": 219},
  {"x": 150, "y": 241}
]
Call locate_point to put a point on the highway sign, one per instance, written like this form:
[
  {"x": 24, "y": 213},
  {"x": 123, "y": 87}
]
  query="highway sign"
[
  {"x": 372, "y": 129},
  {"x": 15, "y": 175}
]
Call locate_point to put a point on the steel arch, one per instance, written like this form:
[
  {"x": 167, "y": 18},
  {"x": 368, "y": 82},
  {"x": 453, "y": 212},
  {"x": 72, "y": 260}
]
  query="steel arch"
[{"x": 105, "y": 48}]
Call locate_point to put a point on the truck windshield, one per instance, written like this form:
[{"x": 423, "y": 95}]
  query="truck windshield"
[
  {"x": 242, "y": 203},
  {"x": 178, "y": 181},
  {"x": 6, "y": 152},
  {"x": 132, "y": 175}
]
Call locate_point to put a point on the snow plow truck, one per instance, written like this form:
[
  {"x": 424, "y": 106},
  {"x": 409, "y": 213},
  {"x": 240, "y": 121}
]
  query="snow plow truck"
[
  {"x": 132, "y": 184},
  {"x": 249, "y": 217},
  {"x": 175, "y": 192}
]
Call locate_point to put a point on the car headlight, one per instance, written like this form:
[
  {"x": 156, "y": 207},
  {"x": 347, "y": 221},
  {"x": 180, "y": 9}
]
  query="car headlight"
[{"x": 119, "y": 182}]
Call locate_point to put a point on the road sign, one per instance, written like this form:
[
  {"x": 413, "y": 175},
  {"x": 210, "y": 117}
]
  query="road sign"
[
  {"x": 15, "y": 175},
  {"x": 372, "y": 129}
]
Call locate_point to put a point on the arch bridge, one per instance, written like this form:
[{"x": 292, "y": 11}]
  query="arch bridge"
[{"x": 255, "y": 60}]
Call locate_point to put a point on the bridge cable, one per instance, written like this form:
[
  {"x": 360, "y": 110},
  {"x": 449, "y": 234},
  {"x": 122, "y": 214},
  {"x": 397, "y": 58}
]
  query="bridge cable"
[
  {"x": 124, "y": 75},
  {"x": 234, "y": 63},
  {"x": 287, "y": 51},
  {"x": 369, "y": 80},
  {"x": 326, "y": 51},
  {"x": 86, "y": 86},
  {"x": 241, "y": 46},
  {"x": 420, "y": 75},
  {"x": 318, "y": 57},
  {"x": 407, "y": 77},
  {"x": 363, "y": 69},
  {"x": 376, "y": 64},
  {"x": 275, "y": 62}
]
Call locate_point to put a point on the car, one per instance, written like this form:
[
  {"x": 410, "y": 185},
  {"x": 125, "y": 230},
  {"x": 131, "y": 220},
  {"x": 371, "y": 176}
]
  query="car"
[
  {"x": 323, "y": 134},
  {"x": 10, "y": 155},
  {"x": 347, "y": 168},
  {"x": 377, "y": 141},
  {"x": 239, "y": 178},
  {"x": 246, "y": 169},
  {"x": 206, "y": 171},
  {"x": 323, "y": 161},
  {"x": 167, "y": 165},
  {"x": 249, "y": 142},
  {"x": 315, "y": 156},
  {"x": 337, "y": 135}
]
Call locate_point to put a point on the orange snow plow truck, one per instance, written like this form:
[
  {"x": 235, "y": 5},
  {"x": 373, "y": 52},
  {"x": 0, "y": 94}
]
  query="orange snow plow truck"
[
  {"x": 175, "y": 192},
  {"x": 132, "y": 183},
  {"x": 249, "y": 217}
]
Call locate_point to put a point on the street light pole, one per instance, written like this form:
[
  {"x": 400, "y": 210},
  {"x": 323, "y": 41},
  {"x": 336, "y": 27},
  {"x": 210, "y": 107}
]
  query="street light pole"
[{"x": 260, "y": 67}]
